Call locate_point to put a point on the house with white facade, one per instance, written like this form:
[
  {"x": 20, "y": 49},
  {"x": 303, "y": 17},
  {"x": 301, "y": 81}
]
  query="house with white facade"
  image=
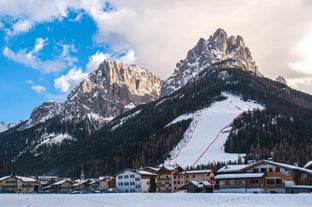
[{"x": 133, "y": 181}]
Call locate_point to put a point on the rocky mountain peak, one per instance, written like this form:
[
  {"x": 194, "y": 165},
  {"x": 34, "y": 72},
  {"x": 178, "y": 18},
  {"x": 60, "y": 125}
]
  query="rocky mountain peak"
[
  {"x": 217, "y": 52},
  {"x": 106, "y": 93}
]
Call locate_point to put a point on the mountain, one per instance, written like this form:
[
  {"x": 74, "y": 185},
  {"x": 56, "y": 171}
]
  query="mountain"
[
  {"x": 218, "y": 51},
  {"x": 111, "y": 90},
  {"x": 6, "y": 126},
  {"x": 106, "y": 93},
  {"x": 215, "y": 102}
]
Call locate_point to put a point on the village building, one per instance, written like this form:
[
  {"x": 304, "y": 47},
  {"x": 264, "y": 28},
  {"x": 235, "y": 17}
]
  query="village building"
[
  {"x": 20, "y": 184},
  {"x": 264, "y": 176},
  {"x": 197, "y": 187},
  {"x": 131, "y": 181},
  {"x": 62, "y": 186},
  {"x": 81, "y": 185},
  {"x": 104, "y": 182},
  {"x": 168, "y": 179}
]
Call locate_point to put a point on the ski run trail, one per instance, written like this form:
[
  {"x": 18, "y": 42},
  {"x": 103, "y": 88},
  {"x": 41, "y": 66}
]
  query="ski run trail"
[{"x": 204, "y": 139}]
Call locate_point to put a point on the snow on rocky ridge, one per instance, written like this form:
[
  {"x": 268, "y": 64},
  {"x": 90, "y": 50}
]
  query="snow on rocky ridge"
[
  {"x": 204, "y": 139},
  {"x": 217, "y": 52}
]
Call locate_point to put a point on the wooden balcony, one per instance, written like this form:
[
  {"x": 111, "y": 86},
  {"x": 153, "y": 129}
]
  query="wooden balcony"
[{"x": 280, "y": 175}]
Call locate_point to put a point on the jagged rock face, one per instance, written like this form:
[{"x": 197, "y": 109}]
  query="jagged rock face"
[
  {"x": 281, "y": 80},
  {"x": 218, "y": 52},
  {"x": 106, "y": 93}
]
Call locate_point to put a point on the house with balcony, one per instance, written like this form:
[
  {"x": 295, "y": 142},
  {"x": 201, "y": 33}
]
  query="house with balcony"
[
  {"x": 20, "y": 184},
  {"x": 265, "y": 176},
  {"x": 168, "y": 179}
]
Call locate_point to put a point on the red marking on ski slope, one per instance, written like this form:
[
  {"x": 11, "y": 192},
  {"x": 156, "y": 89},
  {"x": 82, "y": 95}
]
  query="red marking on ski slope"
[
  {"x": 215, "y": 139},
  {"x": 190, "y": 137}
]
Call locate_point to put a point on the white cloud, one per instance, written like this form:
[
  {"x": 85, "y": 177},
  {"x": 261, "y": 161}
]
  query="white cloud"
[
  {"x": 38, "y": 88},
  {"x": 67, "y": 82},
  {"x": 95, "y": 60},
  {"x": 161, "y": 32},
  {"x": 30, "y": 60},
  {"x": 21, "y": 26},
  {"x": 129, "y": 57},
  {"x": 39, "y": 44}
]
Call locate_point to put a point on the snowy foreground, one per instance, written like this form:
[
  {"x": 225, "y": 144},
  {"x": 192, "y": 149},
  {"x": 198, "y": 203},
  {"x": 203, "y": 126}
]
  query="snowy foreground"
[{"x": 157, "y": 199}]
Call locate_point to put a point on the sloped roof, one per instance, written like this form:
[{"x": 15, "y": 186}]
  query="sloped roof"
[
  {"x": 26, "y": 179},
  {"x": 232, "y": 168},
  {"x": 239, "y": 176},
  {"x": 282, "y": 165}
]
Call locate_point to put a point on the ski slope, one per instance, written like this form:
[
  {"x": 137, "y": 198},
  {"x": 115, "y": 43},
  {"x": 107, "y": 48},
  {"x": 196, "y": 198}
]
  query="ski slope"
[{"x": 204, "y": 139}]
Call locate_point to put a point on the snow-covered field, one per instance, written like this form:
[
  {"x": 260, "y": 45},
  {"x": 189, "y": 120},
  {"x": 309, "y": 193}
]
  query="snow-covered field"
[
  {"x": 204, "y": 139},
  {"x": 157, "y": 199}
]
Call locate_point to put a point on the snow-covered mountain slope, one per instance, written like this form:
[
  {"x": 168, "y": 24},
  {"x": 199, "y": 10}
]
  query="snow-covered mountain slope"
[
  {"x": 5, "y": 126},
  {"x": 106, "y": 93},
  {"x": 204, "y": 139},
  {"x": 218, "y": 52}
]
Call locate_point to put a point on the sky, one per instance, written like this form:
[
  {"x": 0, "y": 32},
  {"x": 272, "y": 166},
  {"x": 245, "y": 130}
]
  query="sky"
[{"x": 48, "y": 47}]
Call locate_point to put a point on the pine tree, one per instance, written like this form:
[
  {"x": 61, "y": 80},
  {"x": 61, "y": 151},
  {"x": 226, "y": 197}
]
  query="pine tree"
[{"x": 152, "y": 185}]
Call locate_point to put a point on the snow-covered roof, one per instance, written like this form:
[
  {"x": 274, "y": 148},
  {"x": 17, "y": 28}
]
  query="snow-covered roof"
[
  {"x": 143, "y": 172},
  {"x": 308, "y": 164},
  {"x": 61, "y": 182},
  {"x": 195, "y": 172},
  {"x": 232, "y": 168},
  {"x": 4, "y": 178},
  {"x": 282, "y": 165},
  {"x": 239, "y": 176},
  {"x": 26, "y": 179},
  {"x": 80, "y": 182}
]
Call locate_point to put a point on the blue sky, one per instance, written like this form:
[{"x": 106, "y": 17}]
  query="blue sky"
[{"x": 48, "y": 47}]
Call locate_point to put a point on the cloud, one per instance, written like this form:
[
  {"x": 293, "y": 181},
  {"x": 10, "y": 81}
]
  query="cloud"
[
  {"x": 39, "y": 45},
  {"x": 129, "y": 57},
  {"x": 95, "y": 60},
  {"x": 67, "y": 82},
  {"x": 21, "y": 26},
  {"x": 31, "y": 59},
  {"x": 38, "y": 88},
  {"x": 161, "y": 32}
]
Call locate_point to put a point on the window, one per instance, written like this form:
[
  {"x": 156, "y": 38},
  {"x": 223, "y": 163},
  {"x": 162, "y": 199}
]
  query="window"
[
  {"x": 226, "y": 182},
  {"x": 255, "y": 170},
  {"x": 175, "y": 177},
  {"x": 238, "y": 182},
  {"x": 270, "y": 181},
  {"x": 187, "y": 176},
  {"x": 277, "y": 169},
  {"x": 263, "y": 170},
  {"x": 126, "y": 176},
  {"x": 132, "y": 190},
  {"x": 120, "y": 177},
  {"x": 193, "y": 176},
  {"x": 131, "y": 176},
  {"x": 270, "y": 169},
  {"x": 137, "y": 186},
  {"x": 137, "y": 179},
  {"x": 126, "y": 183},
  {"x": 132, "y": 183},
  {"x": 278, "y": 181}
]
